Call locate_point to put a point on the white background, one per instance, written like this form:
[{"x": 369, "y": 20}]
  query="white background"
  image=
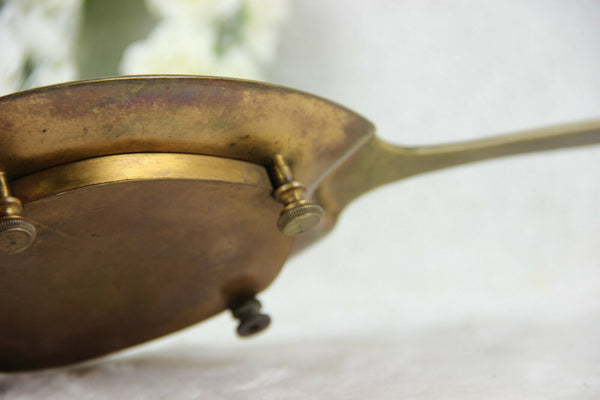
[{"x": 479, "y": 282}]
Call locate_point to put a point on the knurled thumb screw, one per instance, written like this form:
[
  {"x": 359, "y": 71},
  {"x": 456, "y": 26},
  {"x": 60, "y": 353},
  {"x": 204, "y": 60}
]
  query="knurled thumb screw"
[
  {"x": 16, "y": 233},
  {"x": 299, "y": 214}
]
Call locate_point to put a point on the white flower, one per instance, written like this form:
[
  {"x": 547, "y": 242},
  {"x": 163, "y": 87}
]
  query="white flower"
[
  {"x": 237, "y": 63},
  {"x": 241, "y": 26},
  {"x": 261, "y": 30},
  {"x": 37, "y": 35},
  {"x": 49, "y": 71},
  {"x": 198, "y": 10},
  {"x": 181, "y": 47},
  {"x": 202, "y": 37},
  {"x": 47, "y": 28},
  {"x": 13, "y": 54},
  {"x": 208, "y": 37}
]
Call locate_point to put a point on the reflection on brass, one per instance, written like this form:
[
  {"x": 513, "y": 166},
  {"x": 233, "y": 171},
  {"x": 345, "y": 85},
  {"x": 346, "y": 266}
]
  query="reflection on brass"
[
  {"x": 137, "y": 166},
  {"x": 16, "y": 232},
  {"x": 154, "y": 208},
  {"x": 298, "y": 215}
]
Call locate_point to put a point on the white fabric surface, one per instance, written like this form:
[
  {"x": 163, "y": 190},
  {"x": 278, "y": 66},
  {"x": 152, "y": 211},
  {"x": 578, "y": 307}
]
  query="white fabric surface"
[{"x": 479, "y": 282}]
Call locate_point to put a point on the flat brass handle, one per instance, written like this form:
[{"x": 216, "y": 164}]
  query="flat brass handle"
[{"x": 377, "y": 162}]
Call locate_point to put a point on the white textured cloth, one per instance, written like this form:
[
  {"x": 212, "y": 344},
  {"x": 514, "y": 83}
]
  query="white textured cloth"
[{"x": 480, "y": 282}]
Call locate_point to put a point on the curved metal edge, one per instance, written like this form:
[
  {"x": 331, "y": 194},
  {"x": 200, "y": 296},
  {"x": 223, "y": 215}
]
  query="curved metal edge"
[
  {"x": 231, "y": 118},
  {"x": 137, "y": 166}
]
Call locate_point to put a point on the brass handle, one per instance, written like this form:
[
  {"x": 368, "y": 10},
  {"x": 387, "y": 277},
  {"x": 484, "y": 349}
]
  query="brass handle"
[{"x": 378, "y": 162}]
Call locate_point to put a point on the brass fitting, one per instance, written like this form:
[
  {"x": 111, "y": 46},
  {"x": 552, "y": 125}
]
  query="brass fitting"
[
  {"x": 252, "y": 321},
  {"x": 298, "y": 214},
  {"x": 16, "y": 233}
]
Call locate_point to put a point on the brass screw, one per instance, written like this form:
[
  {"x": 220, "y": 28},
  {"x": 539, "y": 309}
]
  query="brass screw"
[
  {"x": 252, "y": 321},
  {"x": 16, "y": 233},
  {"x": 298, "y": 214}
]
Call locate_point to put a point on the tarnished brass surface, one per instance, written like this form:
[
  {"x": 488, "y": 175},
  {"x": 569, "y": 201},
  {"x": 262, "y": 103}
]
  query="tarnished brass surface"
[
  {"x": 9, "y": 205},
  {"x": 16, "y": 232},
  {"x": 299, "y": 214},
  {"x": 137, "y": 166},
  {"x": 134, "y": 244},
  {"x": 132, "y": 247},
  {"x": 243, "y": 120},
  {"x": 377, "y": 163}
]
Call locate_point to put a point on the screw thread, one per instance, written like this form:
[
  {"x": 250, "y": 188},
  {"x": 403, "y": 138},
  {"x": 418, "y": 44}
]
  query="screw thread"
[
  {"x": 298, "y": 214},
  {"x": 4, "y": 191}
]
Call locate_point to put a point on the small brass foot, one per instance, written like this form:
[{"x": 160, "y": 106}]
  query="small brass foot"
[{"x": 252, "y": 321}]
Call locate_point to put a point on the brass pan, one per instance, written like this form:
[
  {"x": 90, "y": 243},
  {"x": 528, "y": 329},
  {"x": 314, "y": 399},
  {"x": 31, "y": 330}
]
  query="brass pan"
[{"x": 133, "y": 207}]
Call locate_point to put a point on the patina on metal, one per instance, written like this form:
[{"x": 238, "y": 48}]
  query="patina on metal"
[
  {"x": 132, "y": 247},
  {"x": 377, "y": 163},
  {"x": 16, "y": 232},
  {"x": 158, "y": 201},
  {"x": 299, "y": 214},
  {"x": 242, "y": 120}
]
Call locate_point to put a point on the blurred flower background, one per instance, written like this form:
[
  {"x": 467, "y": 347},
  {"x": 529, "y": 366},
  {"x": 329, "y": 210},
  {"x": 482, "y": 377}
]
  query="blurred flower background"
[{"x": 51, "y": 41}]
